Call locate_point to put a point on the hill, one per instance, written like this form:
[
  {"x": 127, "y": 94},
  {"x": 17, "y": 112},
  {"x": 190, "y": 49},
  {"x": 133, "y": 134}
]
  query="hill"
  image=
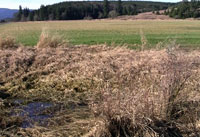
[
  {"x": 7, "y": 13},
  {"x": 91, "y": 10},
  {"x": 185, "y": 9},
  {"x": 145, "y": 16}
]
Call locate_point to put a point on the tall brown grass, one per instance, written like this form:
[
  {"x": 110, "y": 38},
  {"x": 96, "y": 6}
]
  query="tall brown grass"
[
  {"x": 143, "y": 40},
  {"x": 8, "y": 43},
  {"x": 49, "y": 41},
  {"x": 112, "y": 91},
  {"x": 152, "y": 99}
]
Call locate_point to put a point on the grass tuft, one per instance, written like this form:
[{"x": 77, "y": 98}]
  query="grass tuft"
[
  {"x": 8, "y": 43},
  {"x": 148, "y": 99},
  {"x": 48, "y": 41}
]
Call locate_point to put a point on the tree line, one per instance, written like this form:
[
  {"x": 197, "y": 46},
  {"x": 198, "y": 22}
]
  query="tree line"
[
  {"x": 87, "y": 10},
  {"x": 185, "y": 9}
]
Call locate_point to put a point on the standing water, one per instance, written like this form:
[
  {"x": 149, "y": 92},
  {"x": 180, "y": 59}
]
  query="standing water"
[{"x": 33, "y": 113}]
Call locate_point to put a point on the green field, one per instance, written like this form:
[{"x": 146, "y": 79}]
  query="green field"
[{"x": 184, "y": 32}]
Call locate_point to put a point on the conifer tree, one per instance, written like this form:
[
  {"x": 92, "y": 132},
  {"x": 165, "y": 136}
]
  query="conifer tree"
[
  {"x": 119, "y": 7},
  {"x": 19, "y": 15},
  {"x": 106, "y": 8}
]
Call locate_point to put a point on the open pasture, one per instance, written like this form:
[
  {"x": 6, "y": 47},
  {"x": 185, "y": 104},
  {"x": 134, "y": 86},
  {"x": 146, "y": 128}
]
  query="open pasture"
[{"x": 119, "y": 32}]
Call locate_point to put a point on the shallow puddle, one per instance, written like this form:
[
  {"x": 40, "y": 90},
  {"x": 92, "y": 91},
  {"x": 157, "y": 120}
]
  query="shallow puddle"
[{"x": 32, "y": 113}]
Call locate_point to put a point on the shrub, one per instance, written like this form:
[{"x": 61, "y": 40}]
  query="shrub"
[
  {"x": 157, "y": 12},
  {"x": 100, "y": 15},
  {"x": 112, "y": 14},
  {"x": 88, "y": 18}
]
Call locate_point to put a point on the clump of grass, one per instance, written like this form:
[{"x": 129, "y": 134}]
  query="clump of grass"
[
  {"x": 48, "y": 41},
  {"x": 14, "y": 63},
  {"x": 6, "y": 121},
  {"x": 8, "y": 43},
  {"x": 143, "y": 40},
  {"x": 8, "y": 124},
  {"x": 148, "y": 100},
  {"x": 1, "y": 103},
  {"x": 168, "y": 43}
]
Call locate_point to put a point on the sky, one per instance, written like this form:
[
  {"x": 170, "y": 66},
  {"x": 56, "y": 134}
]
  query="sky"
[{"x": 35, "y": 4}]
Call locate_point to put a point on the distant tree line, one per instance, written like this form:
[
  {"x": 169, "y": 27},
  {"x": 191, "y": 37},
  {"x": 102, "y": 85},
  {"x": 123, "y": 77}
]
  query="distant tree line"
[
  {"x": 23, "y": 14},
  {"x": 2, "y": 21},
  {"x": 86, "y": 10},
  {"x": 185, "y": 9}
]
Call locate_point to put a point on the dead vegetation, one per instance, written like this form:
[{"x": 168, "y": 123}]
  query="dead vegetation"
[
  {"x": 8, "y": 43},
  {"x": 48, "y": 41},
  {"x": 154, "y": 98},
  {"x": 145, "y": 16},
  {"x": 103, "y": 91}
]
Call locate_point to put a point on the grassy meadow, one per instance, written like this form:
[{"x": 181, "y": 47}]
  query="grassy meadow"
[{"x": 119, "y": 32}]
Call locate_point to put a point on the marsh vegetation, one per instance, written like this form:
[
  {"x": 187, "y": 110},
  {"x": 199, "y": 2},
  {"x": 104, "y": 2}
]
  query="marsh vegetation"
[{"x": 98, "y": 90}]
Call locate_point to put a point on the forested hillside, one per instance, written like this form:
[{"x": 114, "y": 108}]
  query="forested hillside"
[
  {"x": 185, "y": 9},
  {"x": 88, "y": 10}
]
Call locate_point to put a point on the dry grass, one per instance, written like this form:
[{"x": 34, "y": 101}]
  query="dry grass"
[
  {"x": 144, "y": 41},
  {"x": 104, "y": 91},
  {"x": 145, "y": 16},
  {"x": 8, "y": 43},
  {"x": 48, "y": 41},
  {"x": 153, "y": 98}
]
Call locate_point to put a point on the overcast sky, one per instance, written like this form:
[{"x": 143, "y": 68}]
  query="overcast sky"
[{"x": 35, "y": 4}]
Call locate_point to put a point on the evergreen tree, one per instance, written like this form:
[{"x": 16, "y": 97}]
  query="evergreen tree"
[
  {"x": 43, "y": 13},
  {"x": 19, "y": 15},
  {"x": 26, "y": 12},
  {"x": 119, "y": 7},
  {"x": 81, "y": 10},
  {"x": 124, "y": 11},
  {"x": 106, "y": 8},
  {"x": 58, "y": 14},
  {"x": 31, "y": 16},
  {"x": 185, "y": 9},
  {"x": 130, "y": 10}
]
